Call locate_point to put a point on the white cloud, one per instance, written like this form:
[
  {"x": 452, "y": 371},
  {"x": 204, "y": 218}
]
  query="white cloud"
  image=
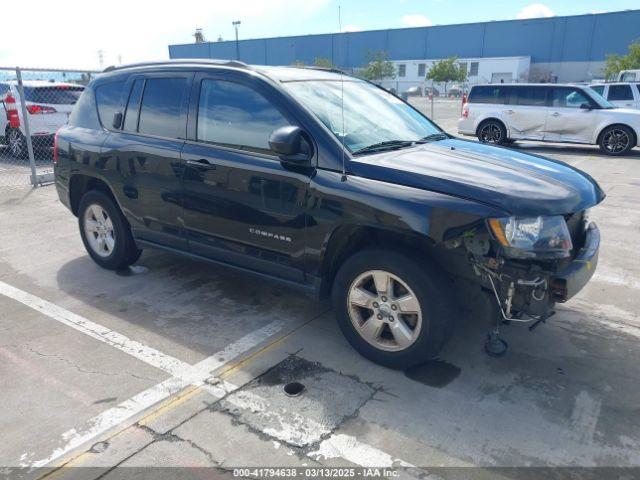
[
  {"x": 535, "y": 10},
  {"x": 69, "y": 34},
  {"x": 352, "y": 28},
  {"x": 416, "y": 20}
]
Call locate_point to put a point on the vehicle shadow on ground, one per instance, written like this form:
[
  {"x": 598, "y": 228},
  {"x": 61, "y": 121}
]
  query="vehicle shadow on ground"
[
  {"x": 199, "y": 305},
  {"x": 577, "y": 150}
]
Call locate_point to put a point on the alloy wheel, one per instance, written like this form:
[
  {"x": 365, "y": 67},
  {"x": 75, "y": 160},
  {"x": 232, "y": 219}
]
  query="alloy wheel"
[
  {"x": 15, "y": 143},
  {"x": 98, "y": 230},
  {"x": 616, "y": 140},
  {"x": 384, "y": 310},
  {"x": 490, "y": 133}
]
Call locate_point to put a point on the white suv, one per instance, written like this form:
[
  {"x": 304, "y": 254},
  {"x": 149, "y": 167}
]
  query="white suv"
[
  {"x": 621, "y": 94},
  {"x": 502, "y": 113},
  {"x": 48, "y": 106}
]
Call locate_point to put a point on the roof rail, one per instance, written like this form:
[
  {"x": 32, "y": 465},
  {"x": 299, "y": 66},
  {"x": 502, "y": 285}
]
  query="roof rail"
[
  {"x": 182, "y": 61},
  {"x": 323, "y": 69}
]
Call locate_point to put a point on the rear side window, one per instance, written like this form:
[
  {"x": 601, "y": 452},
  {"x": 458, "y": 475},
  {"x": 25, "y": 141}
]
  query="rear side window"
[
  {"x": 235, "y": 115},
  {"x": 488, "y": 94},
  {"x": 160, "y": 111},
  {"x": 133, "y": 105},
  {"x": 620, "y": 92},
  {"x": 59, "y": 95},
  {"x": 108, "y": 96},
  {"x": 531, "y": 96}
]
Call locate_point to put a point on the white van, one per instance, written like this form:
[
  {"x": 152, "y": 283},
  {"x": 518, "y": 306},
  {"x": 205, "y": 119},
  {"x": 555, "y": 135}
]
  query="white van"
[{"x": 502, "y": 113}]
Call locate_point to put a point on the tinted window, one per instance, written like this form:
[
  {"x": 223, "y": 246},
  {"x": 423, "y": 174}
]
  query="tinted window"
[
  {"x": 488, "y": 94},
  {"x": 568, "y": 98},
  {"x": 84, "y": 113},
  {"x": 161, "y": 106},
  {"x": 619, "y": 92},
  {"x": 531, "y": 96},
  {"x": 233, "y": 114},
  {"x": 598, "y": 88},
  {"x": 108, "y": 99},
  {"x": 61, "y": 95},
  {"x": 131, "y": 114}
]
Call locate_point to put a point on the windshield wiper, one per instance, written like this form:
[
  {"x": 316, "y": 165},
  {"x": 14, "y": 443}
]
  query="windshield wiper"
[
  {"x": 432, "y": 137},
  {"x": 386, "y": 145}
]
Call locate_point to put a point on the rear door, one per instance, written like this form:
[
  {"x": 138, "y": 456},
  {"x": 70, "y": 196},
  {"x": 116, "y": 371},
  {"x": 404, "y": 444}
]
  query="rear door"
[
  {"x": 145, "y": 153},
  {"x": 567, "y": 121},
  {"x": 241, "y": 204},
  {"x": 621, "y": 95},
  {"x": 526, "y": 112}
]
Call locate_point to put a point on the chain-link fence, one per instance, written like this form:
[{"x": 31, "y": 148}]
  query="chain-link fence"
[{"x": 34, "y": 104}]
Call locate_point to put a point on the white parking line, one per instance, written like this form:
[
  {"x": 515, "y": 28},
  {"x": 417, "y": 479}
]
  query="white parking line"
[
  {"x": 142, "y": 352},
  {"x": 183, "y": 375}
]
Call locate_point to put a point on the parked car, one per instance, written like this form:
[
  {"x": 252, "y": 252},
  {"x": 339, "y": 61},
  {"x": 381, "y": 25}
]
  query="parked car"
[
  {"x": 392, "y": 219},
  {"x": 502, "y": 113},
  {"x": 412, "y": 92},
  {"x": 48, "y": 105},
  {"x": 432, "y": 91},
  {"x": 625, "y": 95},
  {"x": 629, "y": 76},
  {"x": 455, "y": 91}
]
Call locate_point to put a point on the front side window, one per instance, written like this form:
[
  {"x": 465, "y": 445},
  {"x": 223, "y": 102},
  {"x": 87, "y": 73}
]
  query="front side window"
[
  {"x": 568, "y": 98},
  {"x": 531, "y": 96},
  {"x": 371, "y": 115},
  {"x": 619, "y": 92},
  {"x": 108, "y": 96},
  {"x": 598, "y": 88},
  {"x": 235, "y": 115},
  {"x": 161, "y": 107}
]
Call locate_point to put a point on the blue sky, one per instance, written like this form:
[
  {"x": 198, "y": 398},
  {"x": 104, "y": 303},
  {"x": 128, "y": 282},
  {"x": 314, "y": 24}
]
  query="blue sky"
[{"x": 128, "y": 31}]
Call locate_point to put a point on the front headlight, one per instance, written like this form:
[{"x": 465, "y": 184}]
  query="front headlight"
[{"x": 536, "y": 237}]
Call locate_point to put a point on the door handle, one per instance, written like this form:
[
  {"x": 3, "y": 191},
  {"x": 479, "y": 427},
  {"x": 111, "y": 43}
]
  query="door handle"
[
  {"x": 555, "y": 114},
  {"x": 508, "y": 111},
  {"x": 201, "y": 163}
]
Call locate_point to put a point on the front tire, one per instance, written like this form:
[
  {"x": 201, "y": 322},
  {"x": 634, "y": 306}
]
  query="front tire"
[
  {"x": 493, "y": 132},
  {"x": 617, "y": 140},
  {"x": 392, "y": 309},
  {"x": 105, "y": 232}
]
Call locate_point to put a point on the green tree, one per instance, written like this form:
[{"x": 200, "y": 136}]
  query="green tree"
[
  {"x": 378, "y": 67},
  {"x": 616, "y": 63},
  {"x": 297, "y": 63},
  {"x": 323, "y": 62},
  {"x": 447, "y": 70}
]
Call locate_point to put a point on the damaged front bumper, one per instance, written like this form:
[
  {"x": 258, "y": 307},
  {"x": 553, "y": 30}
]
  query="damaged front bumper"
[{"x": 570, "y": 280}]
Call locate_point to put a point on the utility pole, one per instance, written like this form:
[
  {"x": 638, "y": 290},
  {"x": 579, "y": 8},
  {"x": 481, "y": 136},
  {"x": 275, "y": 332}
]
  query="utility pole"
[{"x": 235, "y": 24}]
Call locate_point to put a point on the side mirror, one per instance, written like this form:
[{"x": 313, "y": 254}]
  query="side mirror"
[
  {"x": 117, "y": 120},
  {"x": 289, "y": 144},
  {"x": 585, "y": 106}
]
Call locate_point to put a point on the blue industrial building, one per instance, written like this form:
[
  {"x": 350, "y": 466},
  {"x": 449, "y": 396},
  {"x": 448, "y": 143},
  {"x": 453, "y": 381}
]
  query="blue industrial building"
[{"x": 573, "y": 47}]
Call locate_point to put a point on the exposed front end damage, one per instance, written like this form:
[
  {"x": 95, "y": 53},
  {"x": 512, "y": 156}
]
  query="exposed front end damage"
[{"x": 526, "y": 290}]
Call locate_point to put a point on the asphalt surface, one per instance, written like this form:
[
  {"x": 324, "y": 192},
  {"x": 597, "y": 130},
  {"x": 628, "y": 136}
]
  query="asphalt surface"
[{"x": 176, "y": 363}]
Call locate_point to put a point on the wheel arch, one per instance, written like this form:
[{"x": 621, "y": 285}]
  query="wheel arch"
[
  {"x": 496, "y": 119},
  {"x": 79, "y": 184},
  {"x": 617, "y": 124},
  {"x": 346, "y": 240}
]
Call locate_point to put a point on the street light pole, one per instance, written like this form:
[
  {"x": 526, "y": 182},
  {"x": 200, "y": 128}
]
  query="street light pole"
[{"x": 235, "y": 25}]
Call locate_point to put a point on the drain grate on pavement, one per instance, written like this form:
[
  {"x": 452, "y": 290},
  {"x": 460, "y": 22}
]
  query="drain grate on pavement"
[{"x": 328, "y": 399}]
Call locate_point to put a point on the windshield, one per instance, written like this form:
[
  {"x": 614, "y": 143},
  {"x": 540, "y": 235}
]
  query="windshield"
[
  {"x": 372, "y": 116},
  {"x": 599, "y": 99}
]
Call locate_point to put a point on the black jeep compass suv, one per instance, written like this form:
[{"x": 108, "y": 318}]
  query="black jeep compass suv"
[{"x": 328, "y": 183}]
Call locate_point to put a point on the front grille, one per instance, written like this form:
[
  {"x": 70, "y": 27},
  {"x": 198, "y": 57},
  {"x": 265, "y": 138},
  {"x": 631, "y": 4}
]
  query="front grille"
[{"x": 576, "y": 226}]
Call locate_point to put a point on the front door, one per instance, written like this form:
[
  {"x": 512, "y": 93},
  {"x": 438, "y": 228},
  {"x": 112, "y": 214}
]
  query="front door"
[
  {"x": 567, "y": 119},
  {"x": 241, "y": 204}
]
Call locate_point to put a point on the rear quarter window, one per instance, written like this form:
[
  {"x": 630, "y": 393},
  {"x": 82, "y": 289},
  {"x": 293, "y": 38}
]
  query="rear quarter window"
[
  {"x": 84, "y": 113},
  {"x": 108, "y": 100}
]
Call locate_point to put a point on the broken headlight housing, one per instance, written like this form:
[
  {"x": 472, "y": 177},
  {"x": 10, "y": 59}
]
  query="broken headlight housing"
[{"x": 543, "y": 237}]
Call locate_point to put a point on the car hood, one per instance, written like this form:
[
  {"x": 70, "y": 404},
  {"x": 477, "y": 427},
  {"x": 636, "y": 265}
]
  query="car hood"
[{"x": 517, "y": 183}]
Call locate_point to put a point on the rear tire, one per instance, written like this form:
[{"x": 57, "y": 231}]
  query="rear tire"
[
  {"x": 105, "y": 232},
  {"x": 17, "y": 144},
  {"x": 398, "y": 322},
  {"x": 617, "y": 140},
  {"x": 493, "y": 132}
]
